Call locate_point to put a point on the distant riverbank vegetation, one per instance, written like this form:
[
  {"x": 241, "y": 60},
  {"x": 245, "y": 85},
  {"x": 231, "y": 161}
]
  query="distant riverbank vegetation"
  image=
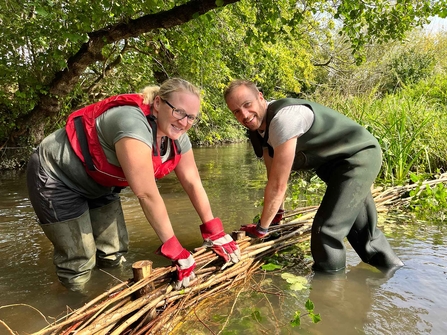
[
  {"x": 373, "y": 63},
  {"x": 401, "y": 97}
]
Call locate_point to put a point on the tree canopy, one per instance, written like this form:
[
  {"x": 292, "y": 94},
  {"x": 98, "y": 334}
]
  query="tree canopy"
[{"x": 57, "y": 55}]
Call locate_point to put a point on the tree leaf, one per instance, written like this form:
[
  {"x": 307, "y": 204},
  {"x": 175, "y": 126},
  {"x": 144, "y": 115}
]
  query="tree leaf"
[
  {"x": 271, "y": 267},
  {"x": 292, "y": 279},
  {"x": 309, "y": 305},
  {"x": 297, "y": 286},
  {"x": 315, "y": 317},
  {"x": 296, "y": 322}
]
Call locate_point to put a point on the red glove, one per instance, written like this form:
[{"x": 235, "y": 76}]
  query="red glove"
[
  {"x": 278, "y": 217},
  {"x": 182, "y": 259},
  {"x": 255, "y": 230},
  {"x": 222, "y": 244}
]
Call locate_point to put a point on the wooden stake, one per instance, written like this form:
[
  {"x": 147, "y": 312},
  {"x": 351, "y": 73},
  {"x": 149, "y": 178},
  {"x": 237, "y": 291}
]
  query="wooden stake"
[{"x": 141, "y": 270}]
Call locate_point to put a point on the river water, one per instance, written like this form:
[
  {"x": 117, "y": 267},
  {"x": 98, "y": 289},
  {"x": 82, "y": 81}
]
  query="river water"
[{"x": 412, "y": 300}]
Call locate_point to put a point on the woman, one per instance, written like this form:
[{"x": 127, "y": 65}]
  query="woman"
[{"x": 75, "y": 175}]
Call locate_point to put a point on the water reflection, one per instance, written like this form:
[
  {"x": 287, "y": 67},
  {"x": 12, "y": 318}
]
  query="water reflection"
[
  {"x": 359, "y": 301},
  {"x": 411, "y": 300},
  {"x": 350, "y": 294}
]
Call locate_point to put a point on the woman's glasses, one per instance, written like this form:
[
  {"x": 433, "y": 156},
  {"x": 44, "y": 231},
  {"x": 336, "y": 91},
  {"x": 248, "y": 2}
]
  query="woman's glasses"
[{"x": 180, "y": 114}]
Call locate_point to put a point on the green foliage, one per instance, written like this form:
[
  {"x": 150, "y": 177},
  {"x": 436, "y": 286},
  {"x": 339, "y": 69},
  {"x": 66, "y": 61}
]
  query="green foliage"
[
  {"x": 291, "y": 257},
  {"x": 315, "y": 318},
  {"x": 420, "y": 57},
  {"x": 433, "y": 89},
  {"x": 296, "y": 321},
  {"x": 383, "y": 20},
  {"x": 398, "y": 134},
  {"x": 297, "y": 283},
  {"x": 310, "y": 309},
  {"x": 256, "y": 315},
  {"x": 304, "y": 190},
  {"x": 40, "y": 37},
  {"x": 243, "y": 49},
  {"x": 275, "y": 43},
  {"x": 257, "y": 217},
  {"x": 410, "y": 130},
  {"x": 429, "y": 201},
  {"x": 408, "y": 67},
  {"x": 270, "y": 267}
]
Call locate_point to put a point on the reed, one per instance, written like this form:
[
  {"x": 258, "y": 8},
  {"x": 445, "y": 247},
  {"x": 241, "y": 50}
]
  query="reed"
[
  {"x": 401, "y": 134},
  {"x": 408, "y": 130}
]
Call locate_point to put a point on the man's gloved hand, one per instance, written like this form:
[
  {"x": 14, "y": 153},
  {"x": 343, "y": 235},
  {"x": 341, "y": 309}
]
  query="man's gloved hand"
[
  {"x": 182, "y": 259},
  {"x": 255, "y": 230},
  {"x": 222, "y": 244},
  {"x": 278, "y": 217}
]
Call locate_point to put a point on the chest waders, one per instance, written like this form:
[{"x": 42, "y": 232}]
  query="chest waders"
[
  {"x": 84, "y": 232},
  {"x": 347, "y": 158},
  {"x": 97, "y": 237}
]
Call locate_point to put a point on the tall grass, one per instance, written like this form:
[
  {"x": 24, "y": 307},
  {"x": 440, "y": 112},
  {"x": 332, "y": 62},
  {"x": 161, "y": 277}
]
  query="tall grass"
[
  {"x": 410, "y": 131},
  {"x": 400, "y": 135}
]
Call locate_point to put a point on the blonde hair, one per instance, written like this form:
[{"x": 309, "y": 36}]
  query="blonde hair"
[
  {"x": 168, "y": 87},
  {"x": 237, "y": 83}
]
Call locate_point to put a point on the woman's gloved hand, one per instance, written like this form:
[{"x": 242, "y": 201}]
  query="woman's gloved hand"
[
  {"x": 182, "y": 259},
  {"x": 222, "y": 244}
]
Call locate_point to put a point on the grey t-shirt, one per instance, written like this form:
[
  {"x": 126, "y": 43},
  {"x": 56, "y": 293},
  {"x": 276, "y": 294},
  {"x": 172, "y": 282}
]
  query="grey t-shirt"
[
  {"x": 61, "y": 163},
  {"x": 291, "y": 121}
]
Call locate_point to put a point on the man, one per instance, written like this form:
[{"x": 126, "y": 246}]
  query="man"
[{"x": 295, "y": 134}]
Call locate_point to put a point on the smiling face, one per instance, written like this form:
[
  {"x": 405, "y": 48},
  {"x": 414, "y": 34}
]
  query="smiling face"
[
  {"x": 168, "y": 125},
  {"x": 249, "y": 107}
]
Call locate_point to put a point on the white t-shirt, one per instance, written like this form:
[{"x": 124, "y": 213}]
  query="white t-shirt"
[{"x": 289, "y": 122}]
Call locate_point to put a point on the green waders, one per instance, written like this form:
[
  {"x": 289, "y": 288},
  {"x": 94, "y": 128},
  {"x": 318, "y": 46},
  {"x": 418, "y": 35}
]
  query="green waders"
[
  {"x": 74, "y": 250},
  {"x": 110, "y": 234},
  {"x": 348, "y": 210},
  {"x": 97, "y": 235}
]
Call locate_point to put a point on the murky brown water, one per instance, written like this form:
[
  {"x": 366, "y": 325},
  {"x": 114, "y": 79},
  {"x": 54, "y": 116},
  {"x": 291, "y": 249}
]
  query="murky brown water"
[{"x": 412, "y": 300}]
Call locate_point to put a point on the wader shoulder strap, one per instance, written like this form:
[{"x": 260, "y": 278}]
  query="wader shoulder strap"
[
  {"x": 151, "y": 119},
  {"x": 82, "y": 139},
  {"x": 256, "y": 141}
]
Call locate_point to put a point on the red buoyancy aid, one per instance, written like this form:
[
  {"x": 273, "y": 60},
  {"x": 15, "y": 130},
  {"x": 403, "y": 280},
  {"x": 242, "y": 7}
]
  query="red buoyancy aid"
[{"x": 83, "y": 137}]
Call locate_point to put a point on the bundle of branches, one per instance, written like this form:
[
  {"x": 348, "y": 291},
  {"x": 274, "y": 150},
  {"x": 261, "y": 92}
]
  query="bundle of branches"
[
  {"x": 146, "y": 303},
  {"x": 399, "y": 196}
]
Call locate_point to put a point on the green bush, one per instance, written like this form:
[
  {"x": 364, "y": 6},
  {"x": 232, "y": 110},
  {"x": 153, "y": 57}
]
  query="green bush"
[
  {"x": 433, "y": 88},
  {"x": 408, "y": 67}
]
